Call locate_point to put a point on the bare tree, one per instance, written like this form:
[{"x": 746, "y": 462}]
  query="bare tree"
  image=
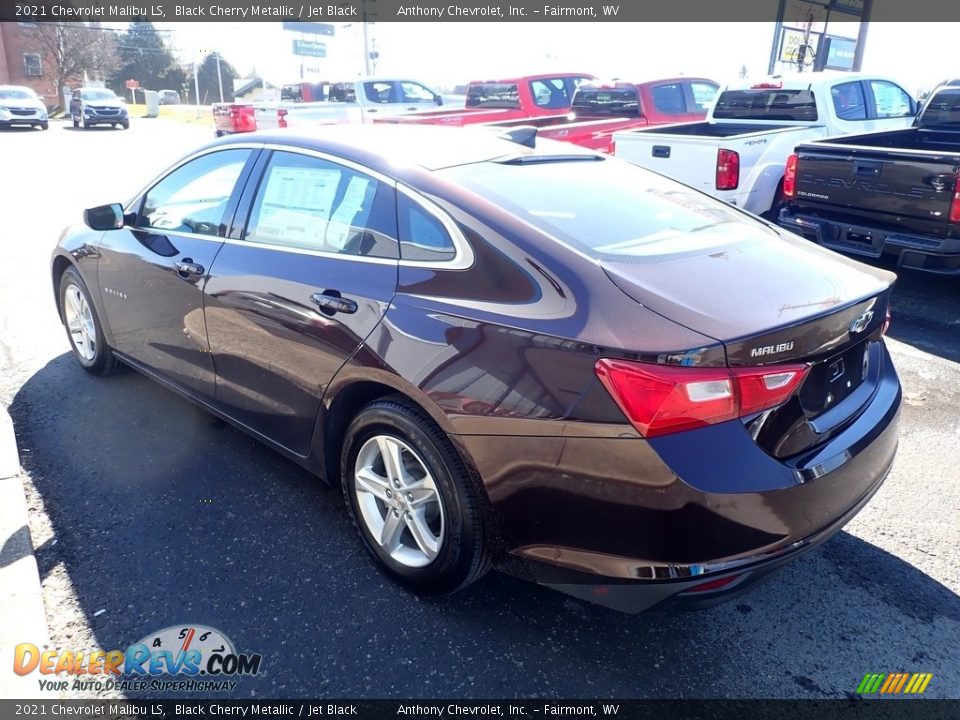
[{"x": 74, "y": 49}]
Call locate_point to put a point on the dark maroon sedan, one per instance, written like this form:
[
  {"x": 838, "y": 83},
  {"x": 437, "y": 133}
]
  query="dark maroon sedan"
[{"x": 538, "y": 358}]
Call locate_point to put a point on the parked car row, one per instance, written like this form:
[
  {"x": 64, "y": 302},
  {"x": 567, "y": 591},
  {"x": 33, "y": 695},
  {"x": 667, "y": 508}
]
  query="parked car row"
[{"x": 574, "y": 107}]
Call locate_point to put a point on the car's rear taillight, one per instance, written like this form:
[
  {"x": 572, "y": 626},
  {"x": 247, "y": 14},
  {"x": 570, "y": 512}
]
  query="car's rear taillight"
[
  {"x": 728, "y": 169},
  {"x": 281, "y": 118},
  {"x": 662, "y": 399},
  {"x": 955, "y": 205},
  {"x": 790, "y": 177},
  {"x": 886, "y": 321}
]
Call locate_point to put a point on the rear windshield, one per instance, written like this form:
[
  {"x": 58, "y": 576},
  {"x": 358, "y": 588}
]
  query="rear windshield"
[
  {"x": 493, "y": 95},
  {"x": 943, "y": 109},
  {"x": 595, "y": 101},
  {"x": 628, "y": 211},
  {"x": 16, "y": 94},
  {"x": 766, "y": 104}
]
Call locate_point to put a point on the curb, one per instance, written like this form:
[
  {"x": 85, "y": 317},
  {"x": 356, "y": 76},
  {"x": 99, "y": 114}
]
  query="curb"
[{"x": 21, "y": 596}]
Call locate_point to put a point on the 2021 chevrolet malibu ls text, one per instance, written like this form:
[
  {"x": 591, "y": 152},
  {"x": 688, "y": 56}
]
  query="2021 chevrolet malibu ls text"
[{"x": 538, "y": 358}]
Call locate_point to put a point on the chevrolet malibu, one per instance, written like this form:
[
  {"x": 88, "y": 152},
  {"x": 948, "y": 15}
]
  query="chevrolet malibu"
[{"x": 507, "y": 352}]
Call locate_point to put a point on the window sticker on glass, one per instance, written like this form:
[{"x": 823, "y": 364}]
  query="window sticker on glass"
[
  {"x": 297, "y": 203},
  {"x": 346, "y": 215}
]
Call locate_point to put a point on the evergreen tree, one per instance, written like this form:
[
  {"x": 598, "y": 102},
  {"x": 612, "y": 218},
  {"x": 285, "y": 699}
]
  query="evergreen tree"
[{"x": 144, "y": 57}]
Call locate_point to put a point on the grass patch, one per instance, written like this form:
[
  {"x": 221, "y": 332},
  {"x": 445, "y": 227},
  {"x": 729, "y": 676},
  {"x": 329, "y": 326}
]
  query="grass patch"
[{"x": 178, "y": 113}]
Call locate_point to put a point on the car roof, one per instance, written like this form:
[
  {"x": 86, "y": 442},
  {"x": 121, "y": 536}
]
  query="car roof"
[
  {"x": 798, "y": 81},
  {"x": 621, "y": 84},
  {"x": 540, "y": 76},
  {"x": 396, "y": 150}
]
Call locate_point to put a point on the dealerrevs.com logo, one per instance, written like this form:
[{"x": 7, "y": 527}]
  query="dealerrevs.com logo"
[{"x": 178, "y": 658}]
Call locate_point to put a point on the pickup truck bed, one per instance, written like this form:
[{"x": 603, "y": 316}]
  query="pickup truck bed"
[{"x": 891, "y": 193}]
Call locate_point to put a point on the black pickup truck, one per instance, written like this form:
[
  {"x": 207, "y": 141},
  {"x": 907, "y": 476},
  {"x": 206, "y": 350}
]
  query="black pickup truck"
[{"x": 895, "y": 192}]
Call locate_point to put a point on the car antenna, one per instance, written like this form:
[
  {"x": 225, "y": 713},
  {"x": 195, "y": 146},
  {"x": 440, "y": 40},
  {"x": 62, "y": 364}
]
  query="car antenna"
[{"x": 523, "y": 135}]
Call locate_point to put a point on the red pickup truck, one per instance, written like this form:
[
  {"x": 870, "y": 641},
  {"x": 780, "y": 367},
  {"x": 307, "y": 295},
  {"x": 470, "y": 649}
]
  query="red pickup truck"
[
  {"x": 492, "y": 100},
  {"x": 601, "y": 108}
]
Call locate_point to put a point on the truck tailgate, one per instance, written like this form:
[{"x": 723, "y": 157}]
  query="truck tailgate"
[
  {"x": 692, "y": 158},
  {"x": 881, "y": 182}
]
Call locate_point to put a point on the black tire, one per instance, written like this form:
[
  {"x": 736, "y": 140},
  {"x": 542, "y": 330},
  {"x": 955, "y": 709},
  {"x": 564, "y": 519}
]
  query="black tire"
[
  {"x": 125, "y": 125},
  {"x": 44, "y": 126},
  {"x": 463, "y": 557},
  {"x": 103, "y": 362},
  {"x": 779, "y": 202},
  {"x": 220, "y": 133}
]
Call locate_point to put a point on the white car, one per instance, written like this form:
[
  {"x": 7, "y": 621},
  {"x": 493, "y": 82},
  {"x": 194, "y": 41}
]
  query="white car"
[{"x": 21, "y": 106}]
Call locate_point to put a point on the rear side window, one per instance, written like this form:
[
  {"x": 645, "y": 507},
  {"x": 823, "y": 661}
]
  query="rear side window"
[
  {"x": 668, "y": 99},
  {"x": 194, "y": 197},
  {"x": 493, "y": 95},
  {"x": 848, "y": 101},
  {"x": 422, "y": 235},
  {"x": 703, "y": 95},
  {"x": 942, "y": 109},
  {"x": 890, "y": 101},
  {"x": 312, "y": 204},
  {"x": 550, "y": 93},
  {"x": 614, "y": 101},
  {"x": 342, "y": 92},
  {"x": 380, "y": 92},
  {"x": 766, "y": 104}
]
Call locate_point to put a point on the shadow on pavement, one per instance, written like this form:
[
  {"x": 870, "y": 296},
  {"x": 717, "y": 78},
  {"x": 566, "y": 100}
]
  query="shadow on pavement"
[{"x": 165, "y": 517}]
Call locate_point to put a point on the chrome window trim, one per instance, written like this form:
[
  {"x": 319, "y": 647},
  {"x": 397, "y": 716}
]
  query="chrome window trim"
[
  {"x": 463, "y": 253},
  {"x": 463, "y": 257}
]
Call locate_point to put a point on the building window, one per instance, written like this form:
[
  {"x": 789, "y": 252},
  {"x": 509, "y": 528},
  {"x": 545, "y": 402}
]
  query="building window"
[{"x": 33, "y": 64}]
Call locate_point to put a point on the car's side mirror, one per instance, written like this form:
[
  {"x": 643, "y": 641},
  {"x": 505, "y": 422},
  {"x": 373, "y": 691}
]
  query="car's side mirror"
[
  {"x": 104, "y": 217},
  {"x": 438, "y": 100}
]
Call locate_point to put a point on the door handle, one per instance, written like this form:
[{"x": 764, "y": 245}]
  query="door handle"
[
  {"x": 331, "y": 302},
  {"x": 188, "y": 268}
]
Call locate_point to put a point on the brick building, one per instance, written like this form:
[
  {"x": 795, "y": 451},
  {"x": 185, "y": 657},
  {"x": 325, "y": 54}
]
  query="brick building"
[{"x": 21, "y": 63}]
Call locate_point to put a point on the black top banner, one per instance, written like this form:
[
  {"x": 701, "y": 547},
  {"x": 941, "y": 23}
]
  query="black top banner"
[
  {"x": 490, "y": 11},
  {"x": 523, "y": 709}
]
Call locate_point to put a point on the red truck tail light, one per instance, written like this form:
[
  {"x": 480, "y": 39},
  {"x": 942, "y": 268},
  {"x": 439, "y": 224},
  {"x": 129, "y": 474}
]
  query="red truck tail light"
[
  {"x": 281, "y": 118},
  {"x": 663, "y": 399},
  {"x": 728, "y": 169},
  {"x": 955, "y": 205},
  {"x": 790, "y": 177}
]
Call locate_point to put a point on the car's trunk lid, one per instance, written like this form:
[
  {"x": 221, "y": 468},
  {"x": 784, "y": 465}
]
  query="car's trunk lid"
[{"x": 769, "y": 300}]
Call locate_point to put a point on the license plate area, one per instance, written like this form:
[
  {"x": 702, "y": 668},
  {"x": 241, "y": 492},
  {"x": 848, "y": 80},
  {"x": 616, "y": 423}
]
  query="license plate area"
[{"x": 833, "y": 380}]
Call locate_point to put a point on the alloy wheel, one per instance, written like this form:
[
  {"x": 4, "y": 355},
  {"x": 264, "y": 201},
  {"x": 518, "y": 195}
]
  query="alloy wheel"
[
  {"x": 399, "y": 501},
  {"x": 80, "y": 322}
]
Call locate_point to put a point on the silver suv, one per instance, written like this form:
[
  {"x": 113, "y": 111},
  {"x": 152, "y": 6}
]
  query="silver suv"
[{"x": 21, "y": 106}]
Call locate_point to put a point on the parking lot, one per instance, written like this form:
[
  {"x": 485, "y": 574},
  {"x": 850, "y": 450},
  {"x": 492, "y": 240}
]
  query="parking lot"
[{"x": 146, "y": 512}]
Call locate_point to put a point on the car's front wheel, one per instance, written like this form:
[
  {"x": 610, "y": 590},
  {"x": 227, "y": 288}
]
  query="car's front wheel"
[
  {"x": 82, "y": 324},
  {"x": 44, "y": 126},
  {"x": 411, "y": 498}
]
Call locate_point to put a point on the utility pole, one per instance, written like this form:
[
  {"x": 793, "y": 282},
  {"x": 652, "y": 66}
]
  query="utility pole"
[
  {"x": 366, "y": 49},
  {"x": 219, "y": 77}
]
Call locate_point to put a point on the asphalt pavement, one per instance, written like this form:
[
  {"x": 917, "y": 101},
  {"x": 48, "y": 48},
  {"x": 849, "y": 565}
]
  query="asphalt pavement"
[{"x": 145, "y": 513}]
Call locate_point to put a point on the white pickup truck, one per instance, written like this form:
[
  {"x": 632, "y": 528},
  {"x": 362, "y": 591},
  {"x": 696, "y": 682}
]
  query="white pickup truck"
[
  {"x": 738, "y": 154},
  {"x": 353, "y": 101}
]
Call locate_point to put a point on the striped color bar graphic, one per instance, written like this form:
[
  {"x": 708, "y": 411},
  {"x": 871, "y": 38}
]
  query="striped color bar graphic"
[{"x": 894, "y": 683}]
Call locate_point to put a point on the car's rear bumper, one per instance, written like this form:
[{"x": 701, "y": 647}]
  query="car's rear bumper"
[
  {"x": 632, "y": 523},
  {"x": 915, "y": 251}
]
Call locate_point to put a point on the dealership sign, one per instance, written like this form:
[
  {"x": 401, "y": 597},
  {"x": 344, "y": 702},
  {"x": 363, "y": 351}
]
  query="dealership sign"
[{"x": 309, "y": 48}]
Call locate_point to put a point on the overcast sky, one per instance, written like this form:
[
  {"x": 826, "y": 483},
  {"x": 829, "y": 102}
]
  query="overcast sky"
[{"x": 446, "y": 54}]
